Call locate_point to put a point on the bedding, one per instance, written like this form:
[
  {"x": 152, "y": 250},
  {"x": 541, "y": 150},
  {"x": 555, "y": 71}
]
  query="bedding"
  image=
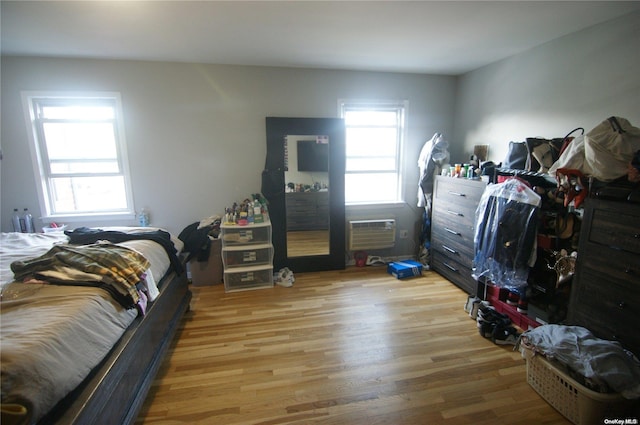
[{"x": 53, "y": 336}]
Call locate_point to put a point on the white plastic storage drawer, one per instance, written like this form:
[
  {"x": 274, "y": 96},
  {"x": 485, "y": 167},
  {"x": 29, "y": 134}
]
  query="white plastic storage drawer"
[
  {"x": 247, "y": 255},
  {"x": 259, "y": 233},
  {"x": 245, "y": 278}
]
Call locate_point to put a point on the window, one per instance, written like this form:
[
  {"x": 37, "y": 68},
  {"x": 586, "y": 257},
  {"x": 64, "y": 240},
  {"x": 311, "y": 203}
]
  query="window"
[
  {"x": 79, "y": 155},
  {"x": 375, "y": 132}
]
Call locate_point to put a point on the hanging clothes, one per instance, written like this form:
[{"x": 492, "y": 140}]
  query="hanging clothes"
[
  {"x": 434, "y": 153},
  {"x": 505, "y": 234}
]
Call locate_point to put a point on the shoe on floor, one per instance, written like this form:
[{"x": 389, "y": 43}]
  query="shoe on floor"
[
  {"x": 485, "y": 328},
  {"x": 504, "y": 335},
  {"x": 468, "y": 306},
  {"x": 523, "y": 307}
]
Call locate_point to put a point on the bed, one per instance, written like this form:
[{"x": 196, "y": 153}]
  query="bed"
[{"x": 94, "y": 357}]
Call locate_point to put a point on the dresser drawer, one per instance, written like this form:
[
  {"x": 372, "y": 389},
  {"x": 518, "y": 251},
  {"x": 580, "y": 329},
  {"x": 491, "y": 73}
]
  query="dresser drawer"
[
  {"x": 447, "y": 213},
  {"x": 249, "y": 255},
  {"x": 259, "y": 233},
  {"x": 459, "y": 191},
  {"x": 608, "y": 313},
  {"x": 613, "y": 266},
  {"x": 454, "y": 271},
  {"x": 616, "y": 229},
  {"x": 456, "y": 247},
  {"x": 251, "y": 277},
  {"x": 608, "y": 302}
]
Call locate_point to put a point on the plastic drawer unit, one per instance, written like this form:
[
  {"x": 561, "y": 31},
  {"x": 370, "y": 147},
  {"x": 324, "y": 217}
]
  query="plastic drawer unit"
[
  {"x": 259, "y": 233},
  {"x": 247, "y": 256},
  {"x": 250, "y": 277}
]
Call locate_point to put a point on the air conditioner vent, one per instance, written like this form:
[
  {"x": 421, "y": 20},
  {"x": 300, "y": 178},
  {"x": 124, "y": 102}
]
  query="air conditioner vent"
[{"x": 372, "y": 234}]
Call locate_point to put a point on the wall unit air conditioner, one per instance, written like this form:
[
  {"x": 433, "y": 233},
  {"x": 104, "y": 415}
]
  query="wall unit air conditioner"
[{"x": 372, "y": 234}]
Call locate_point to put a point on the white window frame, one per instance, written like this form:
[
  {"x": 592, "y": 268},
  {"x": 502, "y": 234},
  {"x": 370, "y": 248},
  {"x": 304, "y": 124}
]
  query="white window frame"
[
  {"x": 41, "y": 164},
  {"x": 402, "y": 108}
]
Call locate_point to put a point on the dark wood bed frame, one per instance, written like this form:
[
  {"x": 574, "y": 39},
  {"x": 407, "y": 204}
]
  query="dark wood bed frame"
[{"x": 116, "y": 389}]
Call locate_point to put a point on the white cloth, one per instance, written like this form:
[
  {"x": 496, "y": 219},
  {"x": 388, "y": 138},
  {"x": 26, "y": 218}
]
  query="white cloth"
[{"x": 604, "y": 363}]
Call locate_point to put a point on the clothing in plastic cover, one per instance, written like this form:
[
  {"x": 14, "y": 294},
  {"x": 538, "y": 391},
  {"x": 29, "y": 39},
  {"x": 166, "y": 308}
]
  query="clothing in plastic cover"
[
  {"x": 434, "y": 153},
  {"x": 505, "y": 235}
]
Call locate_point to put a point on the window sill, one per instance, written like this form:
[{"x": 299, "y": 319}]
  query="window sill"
[
  {"x": 84, "y": 218},
  {"x": 373, "y": 206}
]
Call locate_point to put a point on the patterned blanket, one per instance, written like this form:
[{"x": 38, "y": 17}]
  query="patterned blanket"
[{"x": 114, "y": 268}]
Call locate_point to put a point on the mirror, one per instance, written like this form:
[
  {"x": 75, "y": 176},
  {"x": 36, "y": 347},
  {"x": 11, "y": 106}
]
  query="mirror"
[
  {"x": 306, "y": 175},
  {"x": 303, "y": 182}
]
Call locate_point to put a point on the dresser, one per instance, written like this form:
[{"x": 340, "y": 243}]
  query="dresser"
[
  {"x": 605, "y": 294},
  {"x": 452, "y": 226},
  {"x": 247, "y": 256},
  {"x": 307, "y": 210}
]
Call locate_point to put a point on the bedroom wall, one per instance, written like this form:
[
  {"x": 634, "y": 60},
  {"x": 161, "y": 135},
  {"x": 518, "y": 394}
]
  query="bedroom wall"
[
  {"x": 574, "y": 81},
  {"x": 196, "y": 132}
]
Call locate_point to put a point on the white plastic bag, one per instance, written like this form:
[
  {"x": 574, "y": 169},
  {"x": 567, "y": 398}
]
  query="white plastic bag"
[{"x": 602, "y": 153}]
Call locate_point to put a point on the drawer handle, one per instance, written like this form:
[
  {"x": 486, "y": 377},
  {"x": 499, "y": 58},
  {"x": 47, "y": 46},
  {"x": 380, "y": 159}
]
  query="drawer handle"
[
  {"x": 455, "y": 213},
  {"x": 456, "y": 193},
  {"x": 451, "y": 250},
  {"x": 453, "y": 232},
  {"x": 622, "y": 305},
  {"x": 629, "y": 270},
  {"x": 637, "y": 236},
  {"x": 453, "y": 269}
]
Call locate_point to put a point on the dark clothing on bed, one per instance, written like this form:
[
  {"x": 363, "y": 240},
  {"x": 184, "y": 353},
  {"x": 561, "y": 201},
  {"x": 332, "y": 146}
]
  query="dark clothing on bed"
[{"x": 85, "y": 236}]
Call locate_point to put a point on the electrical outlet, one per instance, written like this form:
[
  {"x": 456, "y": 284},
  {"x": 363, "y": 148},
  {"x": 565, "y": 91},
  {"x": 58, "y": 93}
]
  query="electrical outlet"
[{"x": 404, "y": 234}]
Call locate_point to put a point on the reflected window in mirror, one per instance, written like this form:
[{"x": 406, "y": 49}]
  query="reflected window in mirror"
[{"x": 375, "y": 132}]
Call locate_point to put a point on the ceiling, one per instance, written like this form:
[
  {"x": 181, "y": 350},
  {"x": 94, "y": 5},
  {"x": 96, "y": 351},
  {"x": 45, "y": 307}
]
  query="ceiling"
[{"x": 436, "y": 37}]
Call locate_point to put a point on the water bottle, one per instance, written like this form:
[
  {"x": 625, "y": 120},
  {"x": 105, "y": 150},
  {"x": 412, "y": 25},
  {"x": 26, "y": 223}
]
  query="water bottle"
[
  {"x": 15, "y": 220},
  {"x": 28, "y": 222},
  {"x": 143, "y": 218}
]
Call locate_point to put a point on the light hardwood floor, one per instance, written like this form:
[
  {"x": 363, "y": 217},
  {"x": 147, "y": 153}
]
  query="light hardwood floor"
[
  {"x": 308, "y": 242},
  {"x": 344, "y": 347}
]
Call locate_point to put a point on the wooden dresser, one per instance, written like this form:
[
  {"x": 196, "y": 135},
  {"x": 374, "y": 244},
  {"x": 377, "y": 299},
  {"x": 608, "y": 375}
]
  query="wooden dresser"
[
  {"x": 605, "y": 294},
  {"x": 307, "y": 210},
  {"x": 452, "y": 225}
]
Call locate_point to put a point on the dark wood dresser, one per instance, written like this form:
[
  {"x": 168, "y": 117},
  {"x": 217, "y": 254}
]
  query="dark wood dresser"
[
  {"x": 307, "y": 210},
  {"x": 452, "y": 226},
  {"x": 605, "y": 295}
]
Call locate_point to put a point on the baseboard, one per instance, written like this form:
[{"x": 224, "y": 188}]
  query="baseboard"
[{"x": 390, "y": 259}]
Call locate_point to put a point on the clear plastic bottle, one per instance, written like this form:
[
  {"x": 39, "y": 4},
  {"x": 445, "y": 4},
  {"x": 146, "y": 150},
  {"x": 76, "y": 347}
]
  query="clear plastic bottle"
[
  {"x": 28, "y": 222},
  {"x": 15, "y": 220},
  {"x": 143, "y": 218}
]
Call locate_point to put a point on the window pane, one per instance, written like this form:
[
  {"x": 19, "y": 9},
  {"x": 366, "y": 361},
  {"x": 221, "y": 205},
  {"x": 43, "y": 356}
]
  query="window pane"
[
  {"x": 78, "y": 112},
  {"x": 377, "y": 164},
  {"x": 80, "y": 141},
  {"x": 371, "y": 141},
  {"x": 84, "y": 167},
  {"x": 369, "y": 118},
  {"x": 88, "y": 194},
  {"x": 380, "y": 187}
]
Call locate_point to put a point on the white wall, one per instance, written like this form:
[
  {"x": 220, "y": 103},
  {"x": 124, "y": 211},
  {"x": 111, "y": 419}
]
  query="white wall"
[
  {"x": 575, "y": 81},
  {"x": 196, "y": 133}
]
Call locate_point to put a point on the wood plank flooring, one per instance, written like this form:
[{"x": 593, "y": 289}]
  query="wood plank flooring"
[
  {"x": 344, "y": 347},
  {"x": 307, "y": 242}
]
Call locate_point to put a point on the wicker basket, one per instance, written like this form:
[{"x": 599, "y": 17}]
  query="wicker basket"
[{"x": 573, "y": 400}]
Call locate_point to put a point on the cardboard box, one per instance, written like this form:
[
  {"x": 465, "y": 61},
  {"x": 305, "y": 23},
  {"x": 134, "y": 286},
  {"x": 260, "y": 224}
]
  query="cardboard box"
[
  {"x": 208, "y": 272},
  {"x": 404, "y": 268}
]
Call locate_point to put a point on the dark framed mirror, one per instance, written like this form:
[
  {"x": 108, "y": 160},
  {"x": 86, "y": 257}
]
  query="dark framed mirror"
[{"x": 303, "y": 182}]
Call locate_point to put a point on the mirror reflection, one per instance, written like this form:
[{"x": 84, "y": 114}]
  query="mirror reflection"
[{"x": 307, "y": 194}]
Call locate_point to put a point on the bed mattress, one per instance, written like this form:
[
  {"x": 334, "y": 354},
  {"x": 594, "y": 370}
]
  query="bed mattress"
[{"x": 52, "y": 336}]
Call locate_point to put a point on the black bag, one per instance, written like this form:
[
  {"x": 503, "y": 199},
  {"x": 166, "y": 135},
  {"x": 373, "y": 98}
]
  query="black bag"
[{"x": 518, "y": 157}]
